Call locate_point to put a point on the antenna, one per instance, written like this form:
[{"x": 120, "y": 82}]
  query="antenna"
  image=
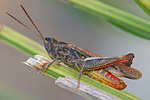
[
  {"x": 32, "y": 22},
  {"x": 23, "y": 24},
  {"x": 39, "y": 33}
]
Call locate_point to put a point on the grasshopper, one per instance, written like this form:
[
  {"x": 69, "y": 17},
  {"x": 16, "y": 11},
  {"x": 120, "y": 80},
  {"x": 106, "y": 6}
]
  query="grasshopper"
[{"x": 103, "y": 69}]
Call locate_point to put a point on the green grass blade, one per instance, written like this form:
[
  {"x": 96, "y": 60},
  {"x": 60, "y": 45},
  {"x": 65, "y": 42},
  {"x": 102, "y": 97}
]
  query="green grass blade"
[
  {"x": 30, "y": 47},
  {"x": 144, "y": 4},
  {"x": 128, "y": 22}
]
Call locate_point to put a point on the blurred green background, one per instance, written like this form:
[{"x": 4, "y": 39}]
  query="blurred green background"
[{"x": 67, "y": 23}]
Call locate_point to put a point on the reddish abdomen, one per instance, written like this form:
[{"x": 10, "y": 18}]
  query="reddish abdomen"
[{"x": 107, "y": 78}]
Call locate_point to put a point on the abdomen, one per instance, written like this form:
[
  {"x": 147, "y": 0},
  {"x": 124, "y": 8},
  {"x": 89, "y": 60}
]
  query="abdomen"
[{"x": 107, "y": 78}]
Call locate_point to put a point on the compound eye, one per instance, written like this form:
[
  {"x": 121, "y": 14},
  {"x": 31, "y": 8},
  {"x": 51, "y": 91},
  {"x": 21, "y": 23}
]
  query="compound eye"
[{"x": 46, "y": 39}]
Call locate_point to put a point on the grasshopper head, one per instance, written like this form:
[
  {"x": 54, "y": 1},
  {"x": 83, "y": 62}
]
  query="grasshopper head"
[{"x": 48, "y": 41}]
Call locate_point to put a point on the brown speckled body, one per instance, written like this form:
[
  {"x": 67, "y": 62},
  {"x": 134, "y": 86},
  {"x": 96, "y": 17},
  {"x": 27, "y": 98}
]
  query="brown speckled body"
[
  {"x": 103, "y": 69},
  {"x": 73, "y": 56}
]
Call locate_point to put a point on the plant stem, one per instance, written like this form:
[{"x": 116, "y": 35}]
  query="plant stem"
[
  {"x": 30, "y": 47},
  {"x": 144, "y": 4},
  {"x": 128, "y": 22}
]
